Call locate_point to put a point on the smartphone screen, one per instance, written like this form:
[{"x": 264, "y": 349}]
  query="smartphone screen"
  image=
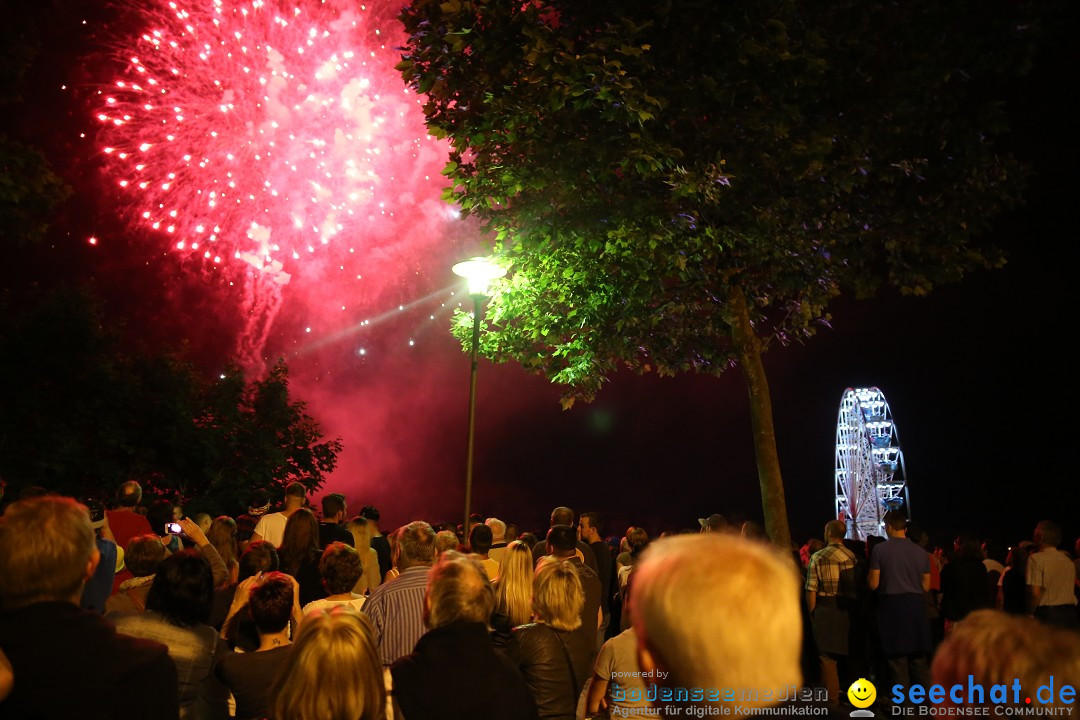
[{"x": 173, "y": 528}]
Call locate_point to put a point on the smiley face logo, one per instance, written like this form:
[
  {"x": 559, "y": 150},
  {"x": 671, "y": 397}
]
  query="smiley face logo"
[{"x": 862, "y": 693}]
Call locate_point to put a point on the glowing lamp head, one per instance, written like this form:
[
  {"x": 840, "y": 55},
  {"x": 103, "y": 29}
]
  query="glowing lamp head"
[{"x": 479, "y": 272}]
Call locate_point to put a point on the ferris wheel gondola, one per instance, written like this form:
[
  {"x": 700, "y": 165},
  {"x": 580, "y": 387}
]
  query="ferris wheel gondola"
[{"x": 870, "y": 478}]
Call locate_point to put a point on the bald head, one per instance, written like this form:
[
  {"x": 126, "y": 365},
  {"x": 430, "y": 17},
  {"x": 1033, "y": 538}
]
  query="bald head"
[
  {"x": 129, "y": 494},
  {"x": 715, "y": 610}
]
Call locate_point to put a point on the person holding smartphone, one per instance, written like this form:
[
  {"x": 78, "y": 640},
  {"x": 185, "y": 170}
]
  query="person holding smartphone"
[{"x": 273, "y": 600}]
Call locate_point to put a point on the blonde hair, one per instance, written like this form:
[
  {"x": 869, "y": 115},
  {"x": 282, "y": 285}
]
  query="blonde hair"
[
  {"x": 45, "y": 546},
  {"x": 557, "y": 594},
  {"x": 715, "y": 610},
  {"x": 514, "y": 586},
  {"x": 996, "y": 648},
  {"x": 334, "y": 672}
]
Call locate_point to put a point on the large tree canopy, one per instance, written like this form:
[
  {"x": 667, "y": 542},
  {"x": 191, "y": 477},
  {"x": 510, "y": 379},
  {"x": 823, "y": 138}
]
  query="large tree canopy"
[
  {"x": 674, "y": 185},
  {"x": 85, "y": 411}
]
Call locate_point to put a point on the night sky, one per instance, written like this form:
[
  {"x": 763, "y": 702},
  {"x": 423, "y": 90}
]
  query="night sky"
[{"x": 978, "y": 376}]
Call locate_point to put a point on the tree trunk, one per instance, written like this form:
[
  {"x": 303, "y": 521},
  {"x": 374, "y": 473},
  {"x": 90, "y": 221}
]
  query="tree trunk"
[{"x": 748, "y": 348}]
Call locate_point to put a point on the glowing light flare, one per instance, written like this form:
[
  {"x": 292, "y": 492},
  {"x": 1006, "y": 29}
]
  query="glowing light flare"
[{"x": 479, "y": 272}]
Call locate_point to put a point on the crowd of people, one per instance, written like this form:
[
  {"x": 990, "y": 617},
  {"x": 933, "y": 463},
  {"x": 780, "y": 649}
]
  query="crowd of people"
[{"x": 297, "y": 615}]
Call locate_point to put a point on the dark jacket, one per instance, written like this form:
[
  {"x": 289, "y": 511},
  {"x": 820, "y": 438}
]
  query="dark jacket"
[
  {"x": 70, "y": 663},
  {"x": 540, "y": 550},
  {"x": 454, "y": 672},
  {"x": 556, "y": 664},
  {"x": 332, "y": 532},
  {"x": 963, "y": 587}
]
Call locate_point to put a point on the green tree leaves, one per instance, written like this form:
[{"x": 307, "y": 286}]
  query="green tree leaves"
[
  {"x": 639, "y": 159},
  {"x": 677, "y": 185}
]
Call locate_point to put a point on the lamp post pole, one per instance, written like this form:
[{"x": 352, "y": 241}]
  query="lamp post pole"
[
  {"x": 477, "y": 300},
  {"x": 479, "y": 272}
]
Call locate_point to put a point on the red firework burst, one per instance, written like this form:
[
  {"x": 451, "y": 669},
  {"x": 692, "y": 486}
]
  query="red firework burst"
[{"x": 265, "y": 132}]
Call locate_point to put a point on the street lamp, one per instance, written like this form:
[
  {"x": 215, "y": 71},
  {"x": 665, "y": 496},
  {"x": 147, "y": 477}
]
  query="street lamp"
[{"x": 479, "y": 272}]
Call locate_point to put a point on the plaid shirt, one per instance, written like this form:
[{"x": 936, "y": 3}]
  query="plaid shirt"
[{"x": 832, "y": 572}]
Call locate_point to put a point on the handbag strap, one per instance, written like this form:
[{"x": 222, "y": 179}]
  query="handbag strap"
[{"x": 569, "y": 662}]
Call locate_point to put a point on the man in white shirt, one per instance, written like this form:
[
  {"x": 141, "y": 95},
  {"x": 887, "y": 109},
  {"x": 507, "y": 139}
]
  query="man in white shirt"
[
  {"x": 271, "y": 527},
  {"x": 1050, "y": 579}
]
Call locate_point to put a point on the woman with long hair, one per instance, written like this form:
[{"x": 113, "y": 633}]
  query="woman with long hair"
[
  {"x": 299, "y": 554},
  {"x": 554, "y": 660},
  {"x": 334, "y": 672},
  {"x": 222, "y": 536},
  {"x": 513, "y": 591},
  {"x": 361, "y": 533}
]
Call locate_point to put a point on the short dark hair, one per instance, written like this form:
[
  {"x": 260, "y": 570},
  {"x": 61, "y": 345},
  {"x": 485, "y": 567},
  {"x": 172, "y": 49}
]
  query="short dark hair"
[
  {"x": 296, "y": 489},
  {"x": 333, "y": 504},
  {"x": 967, "y": 546},
  {"x": 143, "y": 555},
  {"x": 158, "y": 513},
  {"x": 183, "y": 589},
  {"x": 480, "y": 539},
  {"x": 340, "y": 568},
  {"x": 245, "y": 527},
  {"x": 562, "y": 538},
  {"x": 129, "y": 494},
  {"x": 260, "y": 556},
  {"x": 596, "y": 520},
  {"x": 259, "y": 497},
  {"x": 271, "y": 602},
  {"x": 370, "y": 512},
  {"x": 1049, "y": 533},
  {"x": 992, "y": 549},
  {"x": 895, "y": 519}
]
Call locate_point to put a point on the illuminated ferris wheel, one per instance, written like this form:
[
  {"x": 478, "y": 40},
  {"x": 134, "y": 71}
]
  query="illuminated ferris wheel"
[{"x": 870, "y": 474}]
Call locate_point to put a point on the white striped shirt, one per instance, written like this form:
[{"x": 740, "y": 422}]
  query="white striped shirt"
[{"x": 396, "y": 610}]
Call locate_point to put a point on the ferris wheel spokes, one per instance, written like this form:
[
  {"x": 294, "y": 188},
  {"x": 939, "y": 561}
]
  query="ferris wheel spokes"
[{"x": 870, "y": 477}]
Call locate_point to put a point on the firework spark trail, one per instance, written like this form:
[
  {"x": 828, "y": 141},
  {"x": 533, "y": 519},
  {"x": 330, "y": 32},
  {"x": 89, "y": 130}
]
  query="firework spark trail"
[
  {"x": 261, "y": 303},
  {"x": 272, "y": 134}
]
